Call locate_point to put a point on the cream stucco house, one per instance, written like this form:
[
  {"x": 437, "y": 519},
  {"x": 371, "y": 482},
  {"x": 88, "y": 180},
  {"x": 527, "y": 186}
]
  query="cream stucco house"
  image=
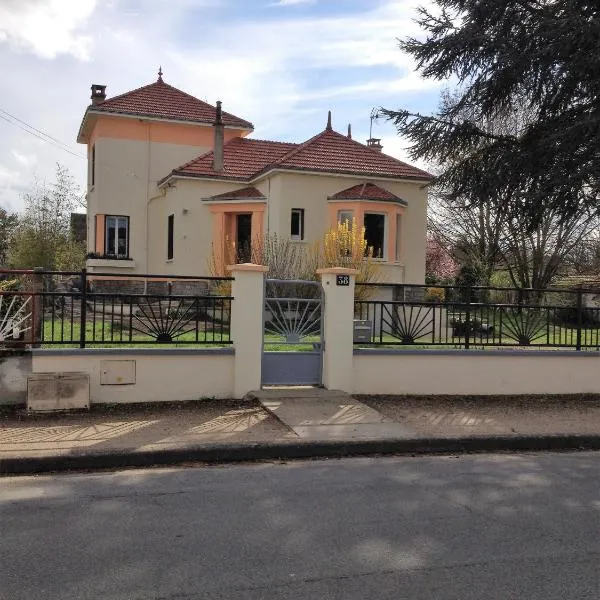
[{"x": 171, "y": 177}]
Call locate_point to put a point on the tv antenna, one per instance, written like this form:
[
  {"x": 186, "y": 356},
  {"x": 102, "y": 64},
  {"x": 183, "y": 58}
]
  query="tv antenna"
[{"x": 375, "y": 114}]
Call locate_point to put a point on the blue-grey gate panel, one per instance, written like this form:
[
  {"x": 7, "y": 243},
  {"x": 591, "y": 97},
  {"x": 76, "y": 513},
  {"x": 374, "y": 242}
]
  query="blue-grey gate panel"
[{"x": 291, "y": 368}]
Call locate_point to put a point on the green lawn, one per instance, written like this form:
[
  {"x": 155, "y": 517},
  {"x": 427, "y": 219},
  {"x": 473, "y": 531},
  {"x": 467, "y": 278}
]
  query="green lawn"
[{"x": 99, "y": 335}]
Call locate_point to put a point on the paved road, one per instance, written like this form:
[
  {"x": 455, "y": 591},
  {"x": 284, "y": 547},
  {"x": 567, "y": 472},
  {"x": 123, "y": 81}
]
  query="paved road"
[{"x": 471, "y": 527}]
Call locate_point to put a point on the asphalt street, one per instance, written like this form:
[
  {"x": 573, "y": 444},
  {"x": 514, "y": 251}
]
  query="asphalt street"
[{"x": 468, "y": 527}]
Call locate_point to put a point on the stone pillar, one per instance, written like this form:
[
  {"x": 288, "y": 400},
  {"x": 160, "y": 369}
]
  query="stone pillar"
[
  {"x": 247, "y": 323},
  {"x": 338, "y": 330}
]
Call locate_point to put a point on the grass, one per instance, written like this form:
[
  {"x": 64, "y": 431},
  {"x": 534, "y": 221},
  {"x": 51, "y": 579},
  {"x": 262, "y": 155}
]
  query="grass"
[{"x": 102, "y": 335}]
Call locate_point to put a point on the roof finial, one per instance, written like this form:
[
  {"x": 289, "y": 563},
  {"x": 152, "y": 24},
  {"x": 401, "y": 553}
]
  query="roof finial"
[
  {"x": 349, "y": 131},
  {"x": 160, "y": 74},
  {"x": 329, "y": 128}
]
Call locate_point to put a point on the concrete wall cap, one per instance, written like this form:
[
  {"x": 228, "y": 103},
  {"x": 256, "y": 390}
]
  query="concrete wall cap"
[
  {"x": 337, "y": 271},
  {"x": 248, "y": 267}
]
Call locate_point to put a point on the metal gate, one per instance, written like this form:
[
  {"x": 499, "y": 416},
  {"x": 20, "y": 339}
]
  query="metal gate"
[{"x": 293, "y": 333}]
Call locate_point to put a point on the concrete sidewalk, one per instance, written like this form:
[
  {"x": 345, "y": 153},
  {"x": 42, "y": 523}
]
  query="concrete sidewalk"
[{"x": 285, "y": 425}]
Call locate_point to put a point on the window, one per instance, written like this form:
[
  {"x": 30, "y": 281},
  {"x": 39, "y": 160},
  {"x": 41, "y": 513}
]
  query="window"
[
  {"x": 398, "y": 238},
  {"x": 170, "y": 225},
  {"x": 345, "y": 215},
  {"x": 375, "y": 234},
  {"x": 93, "y": 166},
  {"x": 297, "y": 226},
  {"x": 116, "y": 236}
]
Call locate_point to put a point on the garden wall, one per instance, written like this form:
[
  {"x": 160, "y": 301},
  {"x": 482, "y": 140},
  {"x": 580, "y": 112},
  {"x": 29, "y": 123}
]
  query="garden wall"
[
  {"x": 15, "y": 366},
  {"x": 475, "y": 373},
  {"x": 129, "y": 375}
]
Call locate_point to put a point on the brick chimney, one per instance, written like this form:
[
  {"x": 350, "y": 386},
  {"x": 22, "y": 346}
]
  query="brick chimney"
[
  {"x": 98, "y": 94},
  {"x": 375, "y": 143},
  {"x": 219, "y": 139}
]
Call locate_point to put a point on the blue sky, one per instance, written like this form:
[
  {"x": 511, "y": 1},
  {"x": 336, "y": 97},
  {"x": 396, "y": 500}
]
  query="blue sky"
[{"x": 281, "y": 64}]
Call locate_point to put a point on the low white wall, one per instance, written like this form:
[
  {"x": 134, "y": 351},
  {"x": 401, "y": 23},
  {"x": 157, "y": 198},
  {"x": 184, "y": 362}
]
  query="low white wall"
[
  {"x": 160, "y": 376},
  {"x": 475, "y": 372},
  {"x": 15, "y": 366}
]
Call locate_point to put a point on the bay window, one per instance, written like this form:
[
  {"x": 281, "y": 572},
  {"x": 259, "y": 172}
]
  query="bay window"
[
  {"x": 345, "y": 216},
  {"x": 375, "y": 234}
]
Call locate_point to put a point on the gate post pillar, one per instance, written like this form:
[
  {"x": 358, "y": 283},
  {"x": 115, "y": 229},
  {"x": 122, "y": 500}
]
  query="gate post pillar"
[
  {"x": 247, "y": 323},
  {"x": 338, "y": 328}
]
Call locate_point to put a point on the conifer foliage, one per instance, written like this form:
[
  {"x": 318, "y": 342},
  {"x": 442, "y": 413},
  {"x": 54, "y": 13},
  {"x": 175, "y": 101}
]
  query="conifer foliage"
[{"x": 505, "y": 55}]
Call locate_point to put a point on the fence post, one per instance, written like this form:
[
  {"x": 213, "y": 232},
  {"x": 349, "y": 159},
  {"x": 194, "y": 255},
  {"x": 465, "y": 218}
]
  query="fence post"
[
  {"x": 83, "y": 316},
  {"x": 37, "y": 309},
  {"x": 247, "y": 325},
  {"x": 468, "y": 318},
  {"x": 338, "y": 327},
  {"x": 579, "y": 317}
]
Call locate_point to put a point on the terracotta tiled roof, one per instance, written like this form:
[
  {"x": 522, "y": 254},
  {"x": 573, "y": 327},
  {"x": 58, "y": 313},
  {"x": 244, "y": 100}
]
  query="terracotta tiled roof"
[
  {"x": 247, "y": 193},
  {"x": 336, "y": 153},
  {"x": 242, "y": 158},
  {"x": 328, "y": 152},
  {"x": 161, "y": 100},
  {"x": 367, "y": 191}
]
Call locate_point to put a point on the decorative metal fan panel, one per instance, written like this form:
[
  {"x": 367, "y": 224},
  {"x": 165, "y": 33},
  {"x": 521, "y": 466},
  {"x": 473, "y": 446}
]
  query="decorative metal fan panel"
[
  {"x": 293, "y": 319},
  {"x": 164, "y": 319},
  {"x": 408, "y": 323},
  {"x": 523, "y": 325},
  {"x": 15, "y": 317}
]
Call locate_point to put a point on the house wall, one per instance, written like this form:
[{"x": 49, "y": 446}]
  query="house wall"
[
  {"x": 131, "y": 156},
  {"x": 310, "y": 192},
  {"x": 197, "y": 228},
  {"x": 195, "y": 225}
]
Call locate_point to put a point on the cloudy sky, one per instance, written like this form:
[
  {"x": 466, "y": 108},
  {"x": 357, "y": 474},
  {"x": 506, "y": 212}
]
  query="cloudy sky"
[{"x": 278, "y": 63}]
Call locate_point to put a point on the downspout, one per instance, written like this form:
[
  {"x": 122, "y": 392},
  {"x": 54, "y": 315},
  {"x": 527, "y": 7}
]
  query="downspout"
[{"x": 147, "y": 205}]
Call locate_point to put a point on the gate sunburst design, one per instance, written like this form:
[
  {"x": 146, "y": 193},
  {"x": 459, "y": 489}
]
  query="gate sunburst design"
[
  {"x": 164, "y": 319},
  {"x": 13, "y": 316},
  {"x": 407, "y": 323},
  {"x": 293, "y": 319},
  {"x": 522, "y": 325}
]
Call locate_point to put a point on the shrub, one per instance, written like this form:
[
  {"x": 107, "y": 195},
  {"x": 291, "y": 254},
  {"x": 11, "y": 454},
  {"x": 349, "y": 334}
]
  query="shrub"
[{"x": 435, "y": 294}]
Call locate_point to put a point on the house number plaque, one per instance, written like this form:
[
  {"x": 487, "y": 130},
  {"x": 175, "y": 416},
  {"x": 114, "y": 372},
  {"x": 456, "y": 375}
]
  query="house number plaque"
[{"x": 343, "y": 280}]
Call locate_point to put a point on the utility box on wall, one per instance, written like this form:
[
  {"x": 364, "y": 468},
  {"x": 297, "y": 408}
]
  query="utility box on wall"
[
  {"x": 117, "y": 372},
  {"x": 58, "y": 391}
]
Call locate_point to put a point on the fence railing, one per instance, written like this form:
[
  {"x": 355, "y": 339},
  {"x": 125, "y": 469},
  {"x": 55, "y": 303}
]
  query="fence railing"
[
  {"x": 475, "y": 317},
  {"x": 81, "y": 309}
]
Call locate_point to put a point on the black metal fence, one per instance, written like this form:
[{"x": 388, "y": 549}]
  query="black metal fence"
[
  {"x": 81, "y": 309},
  {"x": 478, "y": 317}
]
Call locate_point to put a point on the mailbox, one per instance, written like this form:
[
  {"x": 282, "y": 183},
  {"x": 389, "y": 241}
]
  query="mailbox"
[{"x": 362, "y": 331}]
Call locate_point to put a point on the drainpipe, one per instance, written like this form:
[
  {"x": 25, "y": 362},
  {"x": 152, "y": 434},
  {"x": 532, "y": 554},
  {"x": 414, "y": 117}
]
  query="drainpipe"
[{"x": 147, "y": 204}]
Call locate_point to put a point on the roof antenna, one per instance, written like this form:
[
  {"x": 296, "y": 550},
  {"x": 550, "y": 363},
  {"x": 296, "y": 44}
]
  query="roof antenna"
[
  {"x": 374, "y": 117},
  {"x": 329, "y": 128},
  {"x": 349, "y": 131},
  {"x": 160, "y": 74}
]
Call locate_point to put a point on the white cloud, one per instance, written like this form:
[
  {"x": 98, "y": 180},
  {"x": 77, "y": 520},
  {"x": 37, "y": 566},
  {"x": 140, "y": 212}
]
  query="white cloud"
[
  {"x": 25, "y": 160},
  {"x": 47, "y": 28},
  {"x": 292, "y": 2}
]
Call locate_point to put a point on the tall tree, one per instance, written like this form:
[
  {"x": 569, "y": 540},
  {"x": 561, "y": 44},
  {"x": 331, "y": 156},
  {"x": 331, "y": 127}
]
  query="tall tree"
[
  {"x": 543, "y": 55},
  {"x": 8, "y": 224},
  {"x": 490, "y": 233},
  {"x": 43, "y": 237}
]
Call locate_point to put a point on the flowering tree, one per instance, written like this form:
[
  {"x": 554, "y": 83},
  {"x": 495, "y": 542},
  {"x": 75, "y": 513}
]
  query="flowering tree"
[{"x": 439, "y": 265}]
